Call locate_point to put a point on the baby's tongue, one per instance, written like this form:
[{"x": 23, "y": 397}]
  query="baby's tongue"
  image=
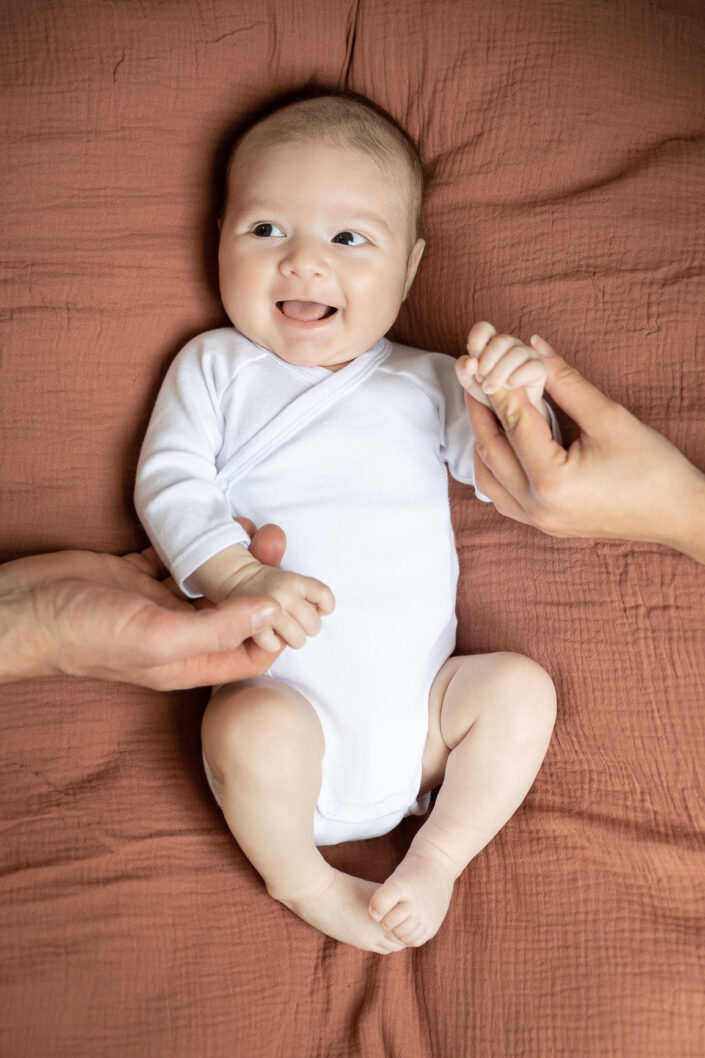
[{"x": 303, "y": 310}]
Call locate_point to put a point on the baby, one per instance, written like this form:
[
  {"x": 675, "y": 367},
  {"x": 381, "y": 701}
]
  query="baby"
[{"x": 304, "y": 414}]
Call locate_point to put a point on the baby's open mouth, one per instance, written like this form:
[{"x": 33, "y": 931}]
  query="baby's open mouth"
[{"x": 305, "y": 311}]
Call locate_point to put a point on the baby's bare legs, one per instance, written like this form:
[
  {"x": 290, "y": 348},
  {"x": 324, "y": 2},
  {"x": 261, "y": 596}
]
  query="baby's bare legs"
[
  {"x": 490, "y": 722},
  {"x": 264, "y": 742}
]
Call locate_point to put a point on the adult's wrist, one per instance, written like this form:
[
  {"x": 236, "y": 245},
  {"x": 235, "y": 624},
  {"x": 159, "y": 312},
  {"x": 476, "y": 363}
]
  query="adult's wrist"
[
  {"x": 686, "y": 514},
  {"x": 26, "y": 643}
]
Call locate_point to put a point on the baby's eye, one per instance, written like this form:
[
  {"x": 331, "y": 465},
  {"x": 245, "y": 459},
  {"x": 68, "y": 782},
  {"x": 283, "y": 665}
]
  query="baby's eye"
[
  {"x": 349, "y": 238},
  {"x": 266, "y": 230}
]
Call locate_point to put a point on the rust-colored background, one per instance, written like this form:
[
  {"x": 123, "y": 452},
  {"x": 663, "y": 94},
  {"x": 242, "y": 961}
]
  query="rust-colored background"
[{"x": 566, "y": 147}]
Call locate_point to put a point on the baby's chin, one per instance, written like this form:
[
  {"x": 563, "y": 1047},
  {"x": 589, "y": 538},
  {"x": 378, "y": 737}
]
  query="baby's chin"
[
  {"x": 302, "y": 361},
  {"x": 296, "y": 350}
]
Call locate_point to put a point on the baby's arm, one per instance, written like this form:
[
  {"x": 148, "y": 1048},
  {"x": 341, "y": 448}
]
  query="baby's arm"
[
  {"x": 302, "y": 600},
  {"x": 498, "y": 363},
  {"x": 186, "y": 511}
]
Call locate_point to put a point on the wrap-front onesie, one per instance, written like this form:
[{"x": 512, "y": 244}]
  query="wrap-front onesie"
[{"x": 352, "y": 465}]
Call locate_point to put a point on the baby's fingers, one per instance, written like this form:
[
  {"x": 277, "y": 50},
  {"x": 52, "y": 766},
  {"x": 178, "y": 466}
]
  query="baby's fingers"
[
  {"x": 306, "y": 615},
  {"x": 289, "y": 628},
  {"x": 268, "y": 640},
  {"x": 302, "y": 610},
  {"x": 479, "y": 336},
  {"x": 465, "y": 369},
  {"x": 319, "y": 594},
  {"x": 530, "y": 373},
  {"x": 507, "y": 366}
]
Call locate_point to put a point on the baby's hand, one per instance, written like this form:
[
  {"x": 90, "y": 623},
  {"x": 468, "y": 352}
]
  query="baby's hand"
[
  {"x": 302, "y": 601},
  {"x": 497, "y": 362}
]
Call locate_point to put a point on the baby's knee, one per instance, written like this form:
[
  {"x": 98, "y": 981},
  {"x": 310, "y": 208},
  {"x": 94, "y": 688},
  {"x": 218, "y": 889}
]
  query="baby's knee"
[
  {"x": 528, "y": 689},
  {"x": 242, "y": 724}
]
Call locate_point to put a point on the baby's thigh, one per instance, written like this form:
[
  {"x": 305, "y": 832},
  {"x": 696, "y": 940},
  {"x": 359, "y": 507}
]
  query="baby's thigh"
[{"x": 259, "y": 718}]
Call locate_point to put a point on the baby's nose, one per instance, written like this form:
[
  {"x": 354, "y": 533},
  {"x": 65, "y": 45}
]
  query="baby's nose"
[{"x": 305, "y": 258}]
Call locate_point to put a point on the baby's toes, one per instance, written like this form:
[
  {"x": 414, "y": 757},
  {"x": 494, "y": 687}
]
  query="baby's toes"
[
  {"x": 397, "y": 918},
  {"x": 390, "y": 943},
  {"x": 412, "y": 932},
  {"x": 383, "y": 900}
]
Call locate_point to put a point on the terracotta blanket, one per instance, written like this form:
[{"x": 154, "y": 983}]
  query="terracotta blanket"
[{"x": 565, "y": 144}]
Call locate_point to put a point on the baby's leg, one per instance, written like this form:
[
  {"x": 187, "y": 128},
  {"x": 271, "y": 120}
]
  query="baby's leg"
[
  {"x": 264, "y": 742},
  {"x": 491, "y": 718}
]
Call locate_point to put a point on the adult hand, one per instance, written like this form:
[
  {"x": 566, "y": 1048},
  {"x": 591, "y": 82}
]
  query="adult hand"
[
  {"x": 86, "y": 614},
  {"x": 619, "y": 478}
]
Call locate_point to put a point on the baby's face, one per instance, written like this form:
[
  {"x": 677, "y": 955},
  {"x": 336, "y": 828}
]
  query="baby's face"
[{"x": 316, "y": 250}]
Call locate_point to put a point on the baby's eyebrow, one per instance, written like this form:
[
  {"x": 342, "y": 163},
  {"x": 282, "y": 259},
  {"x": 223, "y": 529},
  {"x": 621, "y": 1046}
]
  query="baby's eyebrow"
[
  {"x": 366, "y": 216},
  {"x": 352, "y": 212}
]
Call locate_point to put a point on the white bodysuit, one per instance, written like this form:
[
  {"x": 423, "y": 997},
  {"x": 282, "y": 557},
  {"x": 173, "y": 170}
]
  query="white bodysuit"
[{"x": 352, "y": 465}]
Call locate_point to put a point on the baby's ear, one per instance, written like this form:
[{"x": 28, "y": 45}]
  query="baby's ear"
[{"x": 412, "y": 264}]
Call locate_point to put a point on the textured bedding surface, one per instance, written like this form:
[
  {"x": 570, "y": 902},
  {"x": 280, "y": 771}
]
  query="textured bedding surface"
[{"x": 565, "y": 144}]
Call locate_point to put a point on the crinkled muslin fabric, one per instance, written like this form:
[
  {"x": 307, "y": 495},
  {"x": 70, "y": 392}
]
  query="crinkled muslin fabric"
[{"x": 565, "y": 146}]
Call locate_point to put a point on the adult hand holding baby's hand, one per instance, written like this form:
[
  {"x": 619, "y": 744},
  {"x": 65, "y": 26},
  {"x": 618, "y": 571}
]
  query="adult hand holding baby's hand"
[
  {"x": 497, "y": 363},
  {"x": 618, "y": 479},
  {"x": 302, "y": 601},
  {"x": 82, "y": 613}
]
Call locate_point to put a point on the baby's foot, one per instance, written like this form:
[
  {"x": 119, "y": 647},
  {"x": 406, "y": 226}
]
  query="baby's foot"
[
  {"x": 337, "y": 905},
  {"x": 414, "y": 900}
]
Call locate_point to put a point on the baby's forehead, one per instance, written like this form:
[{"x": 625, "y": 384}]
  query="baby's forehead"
[
  {"x": 390, "y": 166},
  {"x": 260, "y": 140}
]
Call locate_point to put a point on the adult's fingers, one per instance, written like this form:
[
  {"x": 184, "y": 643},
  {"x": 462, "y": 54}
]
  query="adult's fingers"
[
  {"x": 530, "y": 439},
  {"x": 242, "y": 663},
  {"x": 502, "y": 500},
  {"x": 584, "y": 402},
  {"x": 141, "y": 572},
  {"x": 268, "y": 545},
  {"x": 149, "y": 562},
  {"x": 248, "y": 525},
  {"x": 212, "y": 631},
  {"x": 498, "y": 472},
  {"x": 492, "y": 445}
]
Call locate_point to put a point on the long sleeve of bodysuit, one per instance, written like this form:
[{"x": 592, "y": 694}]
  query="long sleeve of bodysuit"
[{"x": 177, "y": 497}]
